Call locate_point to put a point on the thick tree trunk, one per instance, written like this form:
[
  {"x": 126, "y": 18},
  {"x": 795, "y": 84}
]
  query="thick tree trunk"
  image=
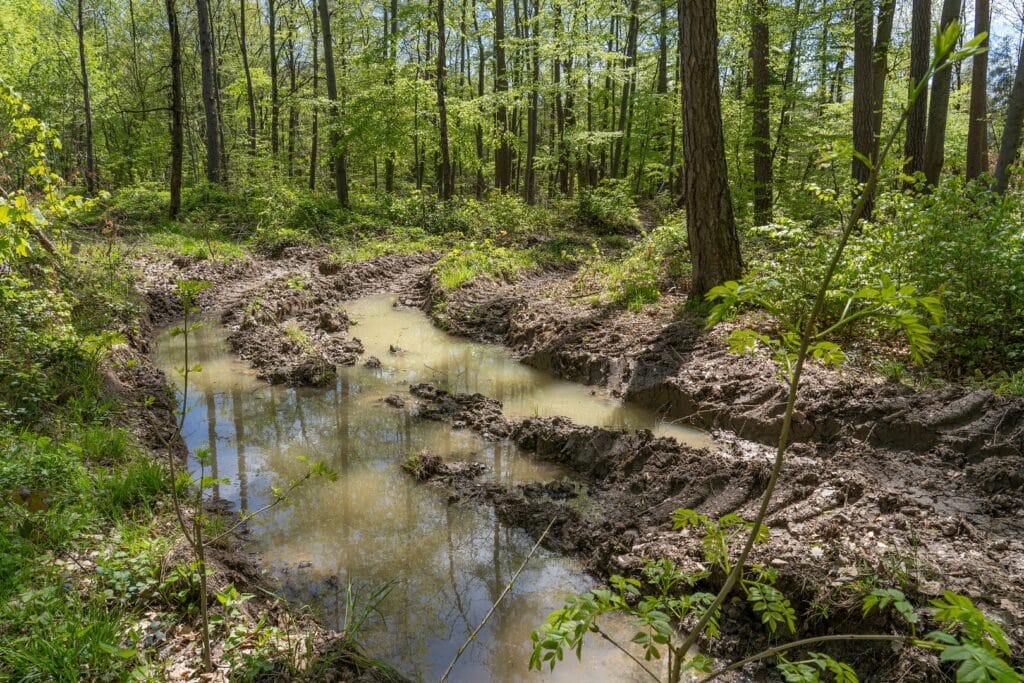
[
  {"x": 863, "y": 71},
  {"x": 761, "y": 126},
  {"x": 340, "y": 176},
  {"x": 938, "y": 106},
  {"x": 1011, "y": 131},
  {"x": 209, "y": 84},
  {"x": 920, "y": 57},
  {"x": 714, "y": 245},
  {"x": 977, "y": 132},
  {"x": 177, "y": 127},
  {"x": 883, "y": 37},
  {"x": 90, "y": 157},
  {"x": 503, "y": 151},
  {"x": 445, "y": 185}
]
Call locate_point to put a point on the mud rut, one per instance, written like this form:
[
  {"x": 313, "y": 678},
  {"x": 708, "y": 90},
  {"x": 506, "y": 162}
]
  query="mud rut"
[{"x": 923, "y": 490}]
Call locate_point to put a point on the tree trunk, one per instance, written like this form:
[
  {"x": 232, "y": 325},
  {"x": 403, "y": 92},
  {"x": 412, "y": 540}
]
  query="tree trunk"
[
  {"x": 340, "y": 179},
  {"x": 920, "y": 57},
  {"x": 502, "y": 152},
  {"x": 209, "y": 83},
  {"x": 977, "y": 132},
  {"x": 293, "y": 94},
  {"x": 315, "y": 143},
  {"x": 392, "y": 47},
  {"x": 90, "y": 158},
  {"x": 445, "y": 185},
  {"x": 275, "y": 106},
  {"x": 250, "y": 96},
  {"x": 938, "y": 106},
  {"x": 627, "y": 87},
  {"x": 761, "y": 126},
  {"x": 880, "y": 68},
  {"x": 529, "y": 179},
  {"x": 177, "y": 128},
  {"x": 863, "y": 71},
  {"x": 710, "y": 225},
  {"x": 1011, "y": 131}
]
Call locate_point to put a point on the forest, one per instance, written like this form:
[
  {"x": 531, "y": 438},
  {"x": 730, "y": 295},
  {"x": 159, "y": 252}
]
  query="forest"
[{"x": 502, "y": 340}]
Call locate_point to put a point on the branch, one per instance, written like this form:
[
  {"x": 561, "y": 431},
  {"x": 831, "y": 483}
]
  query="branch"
[{"x": 245, "y": 519}]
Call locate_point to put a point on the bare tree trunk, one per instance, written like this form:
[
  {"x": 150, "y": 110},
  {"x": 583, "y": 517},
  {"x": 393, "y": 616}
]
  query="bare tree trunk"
[
  {"x": 392, "y": 48},
  {"x": 502, "y": 152},
  {"x": 340, "y": 179},
  {"x": 275, "y": 105},
  {"x": 627, "y": 86},
  {"x": 250, "y": 96},
  {"x": 177, "y": 128},
  {"x": 920, "y": 56},
  {"x": 293, "y": 92},
  {"x": 761, "y": 127},
  {"x": 863, "y": 71},
  {"x": 977, "y": 132},
  {"x": 710, "y": 224},
  {"x": 90, "y": 158},
  {"x": 1011, "y": 131},
  {"x": 530, "y": 179},
  {"x": 938, "y": 106},
  {"x": 445, "y": 188},
  {"x": 209, "y": 82},
  {"x": 315, "y": 142},
  {"x": 883, "y": 37},
  {"x": 480, "y": 181}
]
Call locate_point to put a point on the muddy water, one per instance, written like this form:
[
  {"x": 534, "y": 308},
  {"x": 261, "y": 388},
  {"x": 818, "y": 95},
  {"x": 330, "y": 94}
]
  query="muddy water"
[{"x": 447, "y": 564}]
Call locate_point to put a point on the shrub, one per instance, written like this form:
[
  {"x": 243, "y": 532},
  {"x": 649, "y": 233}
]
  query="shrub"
[{"x": 607, "y": 209}]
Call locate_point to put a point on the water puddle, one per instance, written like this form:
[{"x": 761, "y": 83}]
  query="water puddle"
[{"x": 375, "y": 524}]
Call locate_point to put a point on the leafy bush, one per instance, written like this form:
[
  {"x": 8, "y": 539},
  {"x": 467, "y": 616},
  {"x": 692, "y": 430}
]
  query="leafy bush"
[
  {"x": 482, "y": 258},
  {"x": 607, "y": 209}
]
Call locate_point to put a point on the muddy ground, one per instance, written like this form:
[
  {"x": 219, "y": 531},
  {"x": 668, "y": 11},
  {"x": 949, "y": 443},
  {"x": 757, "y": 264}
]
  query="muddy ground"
[{"x": 924, "y": 490}]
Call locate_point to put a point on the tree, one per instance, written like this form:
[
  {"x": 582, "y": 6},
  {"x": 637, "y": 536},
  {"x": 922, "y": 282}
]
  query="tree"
[
  {"x": 503, "y": 150},
  {"x": 338, "y": 157},
  {"x": 977, "y": 131},
  {"x": 275, "y": 104},
  {"x": 863, "y": 70},
  {"x": 90, "y": 155},
  {"x": 177, "y": 127},
  {"x": 761, "y": 126},
  {"x": 710, "y": 224},
  {"x": 250, "y": 96},
  {"x": 209, "y": 79},
  {"x": 1010, "y": 142},
  {"x": 938, "y": 106},
  {"x": 445, "y": 185},
  {"x": 917, "y": 118}
]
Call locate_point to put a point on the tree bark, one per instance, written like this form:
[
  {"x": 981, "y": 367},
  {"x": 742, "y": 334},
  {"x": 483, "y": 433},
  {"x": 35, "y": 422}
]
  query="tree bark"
[
  {"x": 880, "y": 66},
  {"x": 177, "y": 128},
  {"x": 275, "y": 105},
  {"x": 90, "y": 157},
  {"x": 920, "y": 57},
  {"x": 977, "y": 131},
  {"x": 761, "y": 124},
  {"x": 863, "y": 71},
  {"x": 938, "y": 106},
  {"x": 340, "y": 175},
  {"x": 502, "y": 152},
  {"x": 315, "y": 142},
  {"x": 445, "y": 185},
  {"x": 529, "y": 175},
  {"x": 250, "y": 96},
  {"x": 1011, "y": 131},
  {"x": 710, "y": 224},
  {"x": 209, "y": 85},
  {"x": 627, "y": 87}
]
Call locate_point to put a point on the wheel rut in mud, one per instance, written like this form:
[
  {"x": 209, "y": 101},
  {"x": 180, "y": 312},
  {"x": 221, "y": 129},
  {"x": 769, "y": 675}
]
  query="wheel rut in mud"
[{"x": 924, "y": 488}]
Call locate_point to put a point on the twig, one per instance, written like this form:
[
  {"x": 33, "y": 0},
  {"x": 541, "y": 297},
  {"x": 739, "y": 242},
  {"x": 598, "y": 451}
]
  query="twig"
[
  {"x": 508, "y": 587},
  {"x": 245, "y": 519},
  {"x": 597, "y": 629}
]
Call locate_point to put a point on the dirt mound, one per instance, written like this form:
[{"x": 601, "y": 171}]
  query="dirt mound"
[
  {"x": 669, "y": 363},
  {"x": 843, "y": 515}
]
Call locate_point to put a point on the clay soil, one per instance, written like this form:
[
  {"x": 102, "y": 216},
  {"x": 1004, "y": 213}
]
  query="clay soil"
[{"x": 920, "y": 490}]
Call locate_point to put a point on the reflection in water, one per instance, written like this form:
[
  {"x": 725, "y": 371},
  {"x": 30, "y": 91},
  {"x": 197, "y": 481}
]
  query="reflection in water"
[{"x": 374, "y": 524}]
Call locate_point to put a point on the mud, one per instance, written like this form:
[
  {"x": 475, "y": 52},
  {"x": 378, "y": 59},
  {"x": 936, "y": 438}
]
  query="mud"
[
  {"x": 922, "y": 489},
  {"x": 837, "y": 515}
]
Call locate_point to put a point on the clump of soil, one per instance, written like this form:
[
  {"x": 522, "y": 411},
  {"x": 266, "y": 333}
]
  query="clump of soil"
[{"x": 841, "y": 512}]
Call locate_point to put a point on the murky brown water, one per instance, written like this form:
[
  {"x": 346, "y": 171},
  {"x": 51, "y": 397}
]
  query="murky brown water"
[{"x": 375, "y": 524}]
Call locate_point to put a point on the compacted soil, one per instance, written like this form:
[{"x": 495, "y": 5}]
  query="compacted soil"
[{"x": 884, "y": 486}]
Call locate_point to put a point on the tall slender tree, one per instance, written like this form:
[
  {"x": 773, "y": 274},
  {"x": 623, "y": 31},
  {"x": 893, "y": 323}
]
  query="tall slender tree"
[
  {"x": 502, "y": 149},
  {"x": 209, "y": 81},
  {"x": 337, "y": 157},
  {"x": 250, "y": 95},
  {"x": 445, "y": 184},
  {"x": 761, "y": 123},
  {"x": 177, "y": 114},
  {"x": 710, "y": 224},
  {"x": 938, "y": 106},
  {"x": 917, "y": 117},
  {"x": 977, "y": 131},
  {"x": 90, "y": 155},
  {"x": 1010, "y": 143}
]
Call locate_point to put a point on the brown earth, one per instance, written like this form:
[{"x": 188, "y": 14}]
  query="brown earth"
[{"x": 924, "y": 490}]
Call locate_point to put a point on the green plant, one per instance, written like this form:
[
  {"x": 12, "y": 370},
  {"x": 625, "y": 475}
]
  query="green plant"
[{"x": 607, "y": 209}]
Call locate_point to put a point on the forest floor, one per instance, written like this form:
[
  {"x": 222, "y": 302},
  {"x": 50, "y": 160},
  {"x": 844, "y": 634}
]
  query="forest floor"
[{"x": 885, "y": 486}]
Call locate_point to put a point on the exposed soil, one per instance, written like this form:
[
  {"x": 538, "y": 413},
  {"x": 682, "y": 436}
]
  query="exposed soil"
[{"x": 923, "y": 489}]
